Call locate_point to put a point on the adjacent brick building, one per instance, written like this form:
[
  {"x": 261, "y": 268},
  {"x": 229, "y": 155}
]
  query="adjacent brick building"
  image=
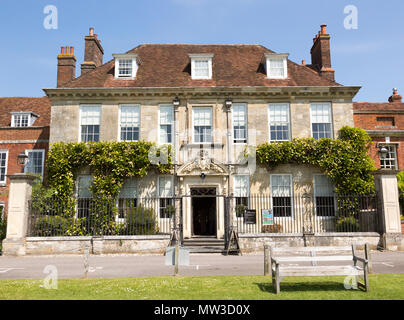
[
  {"x": 385, "y": 124},
  {"x": 24, "y": 127}
]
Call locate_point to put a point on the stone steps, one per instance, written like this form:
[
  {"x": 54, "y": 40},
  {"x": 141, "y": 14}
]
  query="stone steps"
[{"x": 204, "y": 245}]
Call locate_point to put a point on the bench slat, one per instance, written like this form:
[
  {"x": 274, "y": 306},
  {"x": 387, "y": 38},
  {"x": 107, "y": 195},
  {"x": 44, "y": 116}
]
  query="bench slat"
[
  {"x": 320, "y": 271},
  {"x": 310, "y": 259},
  {"x": 309, "y": 249}
]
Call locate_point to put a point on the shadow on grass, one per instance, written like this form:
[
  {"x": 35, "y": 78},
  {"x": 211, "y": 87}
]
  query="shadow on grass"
[{"x": 303, "y": 286}]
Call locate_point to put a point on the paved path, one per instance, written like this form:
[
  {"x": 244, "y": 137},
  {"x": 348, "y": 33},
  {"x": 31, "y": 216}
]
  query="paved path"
[{"x": 120, "y": 266}]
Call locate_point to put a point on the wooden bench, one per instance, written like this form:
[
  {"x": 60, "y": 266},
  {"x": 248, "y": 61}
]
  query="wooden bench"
[{"x": 282, "y": 258}]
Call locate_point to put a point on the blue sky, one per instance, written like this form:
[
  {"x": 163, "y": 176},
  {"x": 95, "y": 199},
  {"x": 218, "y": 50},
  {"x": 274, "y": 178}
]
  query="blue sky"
[{"x": 371, "y": 56}]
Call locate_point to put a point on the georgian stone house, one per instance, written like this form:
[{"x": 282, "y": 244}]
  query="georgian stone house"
[{"x": 210, "y": 102}]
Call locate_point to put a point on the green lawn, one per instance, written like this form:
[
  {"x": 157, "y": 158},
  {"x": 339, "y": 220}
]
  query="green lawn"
[{"x": 387, "y": 286}]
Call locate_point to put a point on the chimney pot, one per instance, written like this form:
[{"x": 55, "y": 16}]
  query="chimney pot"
[
  {"x": 303, "y": 62},
  {"x": 323, "y": 29},
  {"x": 93, "y": 53},
  {"x": 66, "y": 66},
  {"x": 395, "y": 97}
]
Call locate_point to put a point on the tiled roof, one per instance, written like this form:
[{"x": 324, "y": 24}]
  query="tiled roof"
[
  {"x": 39, "y": 106},
  {"x": 169, "y": 66},
  {"x": 375, "y": 106}
]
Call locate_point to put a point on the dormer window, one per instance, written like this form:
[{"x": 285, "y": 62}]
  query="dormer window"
[
  {"x": 125, "y": 66},
  {"x": 23, "y": 119},
  {"x": 277, "y": 65},
  {"x": 201, "y": 66}
]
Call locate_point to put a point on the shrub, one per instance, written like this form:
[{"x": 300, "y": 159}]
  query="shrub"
[
  {"x": 141, "y": 221},
  {"x": 169, "y": 211},
  {"x": 347, "y": 224},
  {"x": 50, "y": 226},
  {"x": 276, "y": 228},
  {"x": 240, "y": 209},
  {"x": 3, "y": 228}
]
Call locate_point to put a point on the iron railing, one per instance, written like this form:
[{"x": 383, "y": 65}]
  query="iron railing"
[
  {"x": 107, "y": 217},
  {"x": 301, "y": 214}
]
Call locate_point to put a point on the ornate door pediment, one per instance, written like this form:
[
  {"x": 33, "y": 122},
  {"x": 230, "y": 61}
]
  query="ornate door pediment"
[{"x": 202, "y": 164}]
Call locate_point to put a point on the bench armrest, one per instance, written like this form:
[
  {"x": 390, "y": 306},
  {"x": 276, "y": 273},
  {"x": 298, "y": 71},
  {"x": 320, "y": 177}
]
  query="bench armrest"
[{"x": 364, "y": 261}]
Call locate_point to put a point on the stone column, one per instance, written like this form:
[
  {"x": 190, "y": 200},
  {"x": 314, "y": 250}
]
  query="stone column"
[
  {"x": 387, "y": 190},
  {"x": 18, "y": 213}
]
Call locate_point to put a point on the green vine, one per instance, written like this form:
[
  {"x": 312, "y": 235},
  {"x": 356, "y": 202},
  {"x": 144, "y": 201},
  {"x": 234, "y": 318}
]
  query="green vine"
[
  {"x": 110, "y": 163},
  {"x": 344, "y": 160}
]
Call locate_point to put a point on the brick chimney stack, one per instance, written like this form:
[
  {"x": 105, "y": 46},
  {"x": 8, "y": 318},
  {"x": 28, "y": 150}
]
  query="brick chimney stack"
[
  {"x": 321, "y": 55},
  {"x": 395, "y": 98},
  {"x": 66, "y": 66},
  {"x": 93, "y": 53}
]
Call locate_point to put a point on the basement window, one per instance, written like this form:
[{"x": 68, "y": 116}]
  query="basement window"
[
  {"x": 276, "y": 65},
  {"x": 125, "y": 66}
]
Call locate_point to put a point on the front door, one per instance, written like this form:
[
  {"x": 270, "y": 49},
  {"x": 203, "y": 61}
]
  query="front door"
[{"x": 204, "y": 211}]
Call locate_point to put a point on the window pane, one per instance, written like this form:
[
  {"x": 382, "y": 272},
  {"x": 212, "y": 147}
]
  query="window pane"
[
  {"x": 201, "y": 68},
  {"x": 84, "y": 184},
  {"x": 324, "y": 193},
  {"x": 125, "y": 67},
  {"x": 130, "y": 123},
  {"x": 165, "y": 187},
  {"x": 279, "y": 122},
  {"x": 129, "y": 189},
  {"x": 276, "y": 68},
  {"x": 241, "y": 186},
  {"x": 281, "y": 191},
  {"x": 166, "y": 124},
  {"x": 202, "y": 124},
  {"x": 390, "y": 160},
  {"x": 240, "y": 123},
  {"x": 3, "y": 166},
  {"x": 321, "y": 120},
  {"x": 35, "y": 162}
]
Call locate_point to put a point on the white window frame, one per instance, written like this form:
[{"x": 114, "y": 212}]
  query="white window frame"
[
  {"x": 160, "y": 197},
  {"x": 117, "y": 218},
  {"x": 389, "y": 145},
  {"x": 244, "y": 105},
  {"x": 31, "y": 119},
  {"x": 292, "y": 216},
  {"x": 201, "y": 57},
  {"x": 277, "y": 56},
  {"x": 83, "y": 106},
  {"x": 238, "y": 196},
  {"x": 160, "y": 124},
  {"x": 27, "y": 151},
  {"x": 3, "y": 183},
  {"x": 119, "y": 119},
  {"x": 315, "y": 201},
  {"x": 118, "y": 58},
  {"x": 193, "y": 123},
  {"x": 269, "y": 120},
  {"x": 331, "y": 117}
]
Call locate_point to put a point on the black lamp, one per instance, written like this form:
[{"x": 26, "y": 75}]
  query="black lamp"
[
  {"x": 22, "y": 158},
  {"x": 203, "y": 176},
  {"x": 383, "y": 151},
  {"x": 176, "y": 102}
]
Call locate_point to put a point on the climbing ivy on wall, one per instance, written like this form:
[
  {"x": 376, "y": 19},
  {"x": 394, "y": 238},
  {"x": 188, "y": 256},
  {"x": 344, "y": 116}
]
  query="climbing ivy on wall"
[
  {"x": 110, "y": 163},
  {"x": 344, "y": 160}
]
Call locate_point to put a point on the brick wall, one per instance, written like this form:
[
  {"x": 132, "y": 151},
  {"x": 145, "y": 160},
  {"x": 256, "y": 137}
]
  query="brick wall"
[{"x": 13, "y": 135}]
